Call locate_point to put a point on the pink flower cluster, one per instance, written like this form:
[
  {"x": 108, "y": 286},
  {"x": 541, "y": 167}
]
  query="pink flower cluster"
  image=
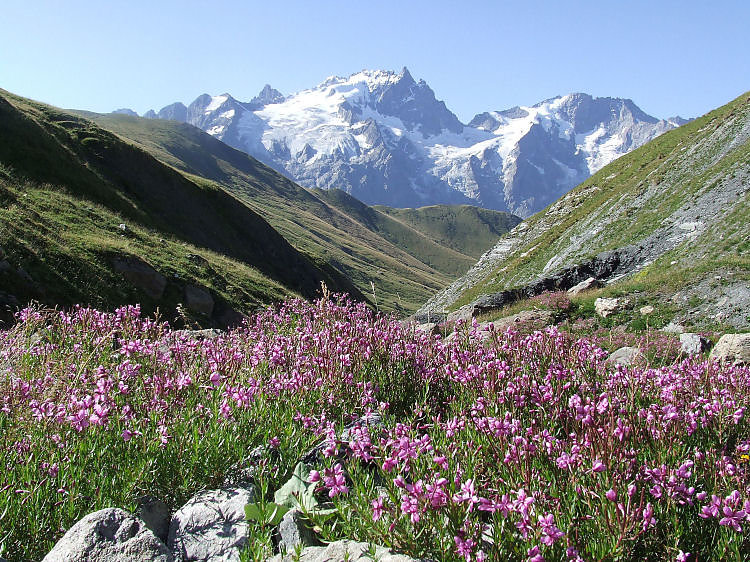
[{"x": 508, "y": 447}]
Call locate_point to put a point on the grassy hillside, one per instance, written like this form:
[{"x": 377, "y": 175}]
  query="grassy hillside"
[
  {"x": 678, "y": 206},
  {"x": 470, "y": 230},
  {"x": 335, "y": 231},
  {"x": 448, "y": 259},
  {"x": 67, "y": 185}
]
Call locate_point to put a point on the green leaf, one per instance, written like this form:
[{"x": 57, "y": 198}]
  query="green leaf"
[
  {"x": 266, "y": 513},
  {"x": 298, "y": 491}
]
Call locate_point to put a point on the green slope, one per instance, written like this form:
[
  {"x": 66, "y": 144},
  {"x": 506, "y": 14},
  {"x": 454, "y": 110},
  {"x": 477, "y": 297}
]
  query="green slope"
[
  {"x": 336, "y": 232},
  {"x": 448, "y": 238},
  {"x": 67, "y": 186},
  {"x": 677, "y": 207},
  {"x": 464, "y": 228}
]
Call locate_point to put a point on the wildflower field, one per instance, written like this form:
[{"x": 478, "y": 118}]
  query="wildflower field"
[{"x": 513, "y": 447}]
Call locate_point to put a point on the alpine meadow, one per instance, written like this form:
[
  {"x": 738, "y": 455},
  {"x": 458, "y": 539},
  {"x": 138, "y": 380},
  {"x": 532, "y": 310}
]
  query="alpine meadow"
[{"x": 485, "y": 308}]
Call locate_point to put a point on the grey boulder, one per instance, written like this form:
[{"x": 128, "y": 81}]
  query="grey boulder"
[
  {"x": 106, "y": 535},
  {"x": 141, "y": 274},
  {"x": 627, "y": 357},
  {"x": 673, "y": 328},
  {"x": 350, "y": 551},
  {"x": 211, "y": 526},
  {"x": 585, "y": 285},
  {"x": 155, "y": 514},
  {"x": 199, "y": 300},
  {"x": 294, "y": 530},
  {"x": 606, "y": 306},
  {"x": 429, "y": 328},
  {"x": 732, "y": 348},
  {"x": 529, "y": 319}
]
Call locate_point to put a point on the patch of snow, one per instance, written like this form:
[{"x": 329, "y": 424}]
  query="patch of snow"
[{"x": 215, "y": 104}]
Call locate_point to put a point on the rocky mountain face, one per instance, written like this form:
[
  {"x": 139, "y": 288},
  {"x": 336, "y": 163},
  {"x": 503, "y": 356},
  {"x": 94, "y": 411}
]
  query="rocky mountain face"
[
  {"x": 670, "y": 216},
  {"x": 385, "y": 138}
]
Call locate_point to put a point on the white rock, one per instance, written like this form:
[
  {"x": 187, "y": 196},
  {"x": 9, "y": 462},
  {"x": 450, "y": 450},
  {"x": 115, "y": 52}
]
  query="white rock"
[
  {"x": 590, "y": 283},
  {"x": 211, "y": 526},
  {"x": 155, "y": 514},
  {"x": 429, "y": 328},
  {"x": 529, "y": 319},
  {"x": 606, "y": 306},
  {"x": 693, "y": 344},
  {"x": 199, "y": 299},
  {"x": 673, "y": 328},
  {"x": 732, "y": 348},
  {"x": 107, "y": 535}
]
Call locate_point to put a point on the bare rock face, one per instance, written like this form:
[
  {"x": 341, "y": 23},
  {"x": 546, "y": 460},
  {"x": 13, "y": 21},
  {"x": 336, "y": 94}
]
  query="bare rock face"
[
  {"x": 211, "y": 526},
  {"x": 155, "y": 514},
  {"x": 465, "y": 313},
  {"x": 199, "y": 300},
  {"x": 429, "y": 328},
  {"x": 733, "y": 349},
  {"x": 106, "y": 535},
  {"x": 673, "y": 328},
  {"x": 344, "y": 550},
  {"x": 141, "y": 275}
]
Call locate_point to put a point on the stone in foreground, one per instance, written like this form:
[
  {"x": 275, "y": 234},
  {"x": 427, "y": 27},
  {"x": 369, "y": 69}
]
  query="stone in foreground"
[
  {"x": 199, "y": 299},
  {"x": 141, "y": 275},
  {"x": 106, "y": 535},
  {"x": 732, "y": 348},
  {"x": 211, "y": 526},
  {"x": 340, "y": 551},
  {"x": 528, "y": 319},
  {"x": 295, "y": 530},
  {"x": 673, "y": 328}
]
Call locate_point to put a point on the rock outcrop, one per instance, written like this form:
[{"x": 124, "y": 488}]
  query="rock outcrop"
[
  {"x": 211, "y": 526},
  {"x": 107, "y": 535},
  {"x": 627, "y": 357}
]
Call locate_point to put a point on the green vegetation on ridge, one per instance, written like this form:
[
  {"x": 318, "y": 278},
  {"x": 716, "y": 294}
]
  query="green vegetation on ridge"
[
  {"x": 464, "y": 228},
  {"x": 66, "y": 181}
]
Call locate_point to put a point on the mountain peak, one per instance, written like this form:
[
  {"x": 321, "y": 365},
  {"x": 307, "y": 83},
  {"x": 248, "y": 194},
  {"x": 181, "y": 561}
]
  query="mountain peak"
[
  {"x": 268, "y": 95},
  {"x": 406, "y": 75},
  {"x": 125, "y": 111}
]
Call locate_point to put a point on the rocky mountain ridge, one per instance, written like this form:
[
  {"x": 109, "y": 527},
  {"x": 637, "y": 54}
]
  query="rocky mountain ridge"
[
  {"x": 385, "y": 138},
  {"x": 675, "y": 209}
]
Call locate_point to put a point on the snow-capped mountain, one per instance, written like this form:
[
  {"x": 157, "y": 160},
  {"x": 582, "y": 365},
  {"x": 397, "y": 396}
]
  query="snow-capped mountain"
[{"x": 385, "y": 138}]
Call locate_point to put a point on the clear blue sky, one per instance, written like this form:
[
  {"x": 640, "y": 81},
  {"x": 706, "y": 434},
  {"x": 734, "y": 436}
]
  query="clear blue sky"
[{"x": 671, "y": 57}]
